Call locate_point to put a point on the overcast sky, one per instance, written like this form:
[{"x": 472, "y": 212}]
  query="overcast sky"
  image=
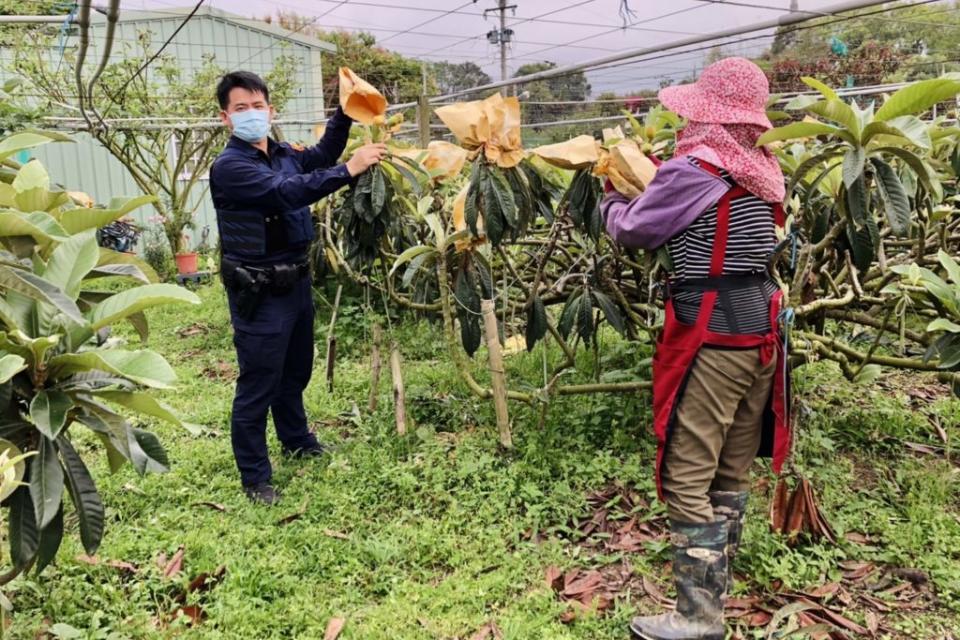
[{"x": 561, "y": 31}]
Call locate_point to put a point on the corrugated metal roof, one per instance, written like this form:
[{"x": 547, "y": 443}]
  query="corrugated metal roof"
[{"x": 179, "y": 13}]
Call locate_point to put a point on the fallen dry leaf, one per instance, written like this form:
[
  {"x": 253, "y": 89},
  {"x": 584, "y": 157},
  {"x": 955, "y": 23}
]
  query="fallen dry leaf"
[
  {"x": 192, "y": 611},
  {"x": 334, "y": 627},
  {"x": 489, "y": 630},
  {"x": 296, "y": 515},
  {"x": 654, "y": 592},
  {"x": 172, "y": 567},
  {"x": 554, "y": 578},
  {"x": 216, "y": 506},
  {"x": 330, "y": 533},
  {"x": 857, "y": 538}
]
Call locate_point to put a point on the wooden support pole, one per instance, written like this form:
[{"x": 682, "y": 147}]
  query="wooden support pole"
[
  {"x": 423, "y": 120},
  {"x": 399, "y": 394},
  {"x": 498, "y": 379},
  {"x": 375, "y": 365},
  {"x": 332, "y": 341}
]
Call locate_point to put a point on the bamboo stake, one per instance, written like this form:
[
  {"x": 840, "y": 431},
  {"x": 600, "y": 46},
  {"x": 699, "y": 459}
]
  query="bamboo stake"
[
  {"x": 332, "y": 340},
  {"x": 375, "y": 365},
  {"x": 399, "y": 394},
  {"x": 497, "y": 375}
]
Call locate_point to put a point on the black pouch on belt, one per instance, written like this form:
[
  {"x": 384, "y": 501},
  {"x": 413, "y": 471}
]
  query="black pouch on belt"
[{"x": 285, "y": 276}]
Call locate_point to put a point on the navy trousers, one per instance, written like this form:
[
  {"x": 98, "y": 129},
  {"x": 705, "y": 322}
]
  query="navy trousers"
[{"x": 275, "y": 357}]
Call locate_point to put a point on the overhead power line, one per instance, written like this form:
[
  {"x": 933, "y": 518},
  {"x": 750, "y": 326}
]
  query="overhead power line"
[{"x": 156, "y": 54}]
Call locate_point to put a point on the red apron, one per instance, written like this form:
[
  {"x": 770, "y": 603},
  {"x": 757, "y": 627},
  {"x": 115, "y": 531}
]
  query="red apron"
[{"x": 677, "y": 348}]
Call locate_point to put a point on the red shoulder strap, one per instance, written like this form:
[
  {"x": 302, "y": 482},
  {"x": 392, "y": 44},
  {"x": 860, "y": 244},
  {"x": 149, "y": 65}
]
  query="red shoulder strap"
[{"x": 723, "y": 223}]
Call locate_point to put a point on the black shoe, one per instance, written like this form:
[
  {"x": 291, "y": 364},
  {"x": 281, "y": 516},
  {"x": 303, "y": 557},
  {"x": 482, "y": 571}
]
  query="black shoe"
[
  {"x": 315, "y": 450},
  {"x": 262, "y": 493}
]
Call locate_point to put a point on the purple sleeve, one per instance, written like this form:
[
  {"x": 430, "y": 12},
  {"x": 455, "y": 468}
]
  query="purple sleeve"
[{"x": 678, "y": 194}]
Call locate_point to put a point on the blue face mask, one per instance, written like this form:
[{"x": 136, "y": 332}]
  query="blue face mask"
[{"x": 251, "y": 125}]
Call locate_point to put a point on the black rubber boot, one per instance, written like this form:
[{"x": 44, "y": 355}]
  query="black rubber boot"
[
  {"x": 700, "y": 574},
  {"x": 731, "y": 505}
]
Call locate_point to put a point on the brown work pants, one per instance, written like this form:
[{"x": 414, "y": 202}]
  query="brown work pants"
[{"x": 716, "y": 435}]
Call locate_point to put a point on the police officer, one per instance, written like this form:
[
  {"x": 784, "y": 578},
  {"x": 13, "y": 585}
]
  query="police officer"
[{"x": 262, "y": 191}]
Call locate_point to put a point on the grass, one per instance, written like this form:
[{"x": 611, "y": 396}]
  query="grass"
[{"x": 435, "y": 534}]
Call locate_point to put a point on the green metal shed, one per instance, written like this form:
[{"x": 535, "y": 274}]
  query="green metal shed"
[{"x": 235, "y": 42}]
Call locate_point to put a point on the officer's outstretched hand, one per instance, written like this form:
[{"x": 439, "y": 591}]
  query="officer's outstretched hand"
[{"x": 365, "y": 157}]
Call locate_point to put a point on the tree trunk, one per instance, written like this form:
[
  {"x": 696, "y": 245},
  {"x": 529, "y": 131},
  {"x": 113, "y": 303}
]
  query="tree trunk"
[{"x": 498, "y": 379}]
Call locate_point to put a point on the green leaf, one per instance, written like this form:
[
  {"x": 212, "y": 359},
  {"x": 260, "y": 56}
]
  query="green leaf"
[
  {"x": 953, "y": 269},
  {"x": 48, "y": 411},
  {"x": 144, "y": 367},
  {"x": 24, "y": 535},
  {"x": 71, "y": 261},
  {"x": 46, "y": 482},
  {"x": 910, "y": 128},
  {"x": 50, "y": 538},
  {"x": 942, "y": 324},
  {"x": 919, "y": 166},
  {"x": 797, "y": 130},
  {"x": 585, "y": 317},
  {"x": 15, "y": 459},
  {"x": 506, "y": 203},
  {"x": 65, "y": 632},
  {"x": 840, "y": 112},
  {"x": 536, "y": 322},
  {"x": 111, "y": 257},
  {"x": 141, "y": 403},
  {"x": 378, "y": 190},
  {"x": 861, "y": 245},
  {"x": 436, "y": 226},
  {"x": 858, "y": 202},
  {"x": 125, "y": 303},
  {"x": 130, "y": 271},
  {"x": 83, "y": 492},
  {"x": 409, "y": 255},
  {"x": 147, "y": 454},
  {"x": 894, "y": 198},
  {"x": 569, "y": 314},
  {"x": 10, "y": 365},
  {"x": 799, "y": 174},
  {"x": 610, "y": 311},
  {"x": 36, "y": 288},
  {"x": 917, "y": 98},
  {"x": 949, "y": 348},
  {"x": 853, "y": 161},
  {"x": 41, "y": 226},
  {"x": 32, "y": 184},
  {"x": 82, "y": 218},
  {"x": 21, "y": 141},
  {"x": 817, "y": 85}
]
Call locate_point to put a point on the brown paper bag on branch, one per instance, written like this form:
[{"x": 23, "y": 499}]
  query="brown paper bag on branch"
[
  {"x": 460, "y": 222},
  {"x": 581, "y": 152},
  {"x": 440, "y": 156},
  {"x": 490, "y": 126},
  {"x": 360, "y": 100},
  {"x": 629, "y": 170}
]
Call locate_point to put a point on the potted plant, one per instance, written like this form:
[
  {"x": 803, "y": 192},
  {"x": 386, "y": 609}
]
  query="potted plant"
[{"x": 186, "y": 260}]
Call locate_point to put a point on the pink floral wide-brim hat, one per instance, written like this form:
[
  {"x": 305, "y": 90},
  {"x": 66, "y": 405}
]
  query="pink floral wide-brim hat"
[{"x": 729, "y": 91}]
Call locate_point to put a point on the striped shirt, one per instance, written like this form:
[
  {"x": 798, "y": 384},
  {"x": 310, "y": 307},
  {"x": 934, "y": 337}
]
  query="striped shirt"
[{"x": 751, "y": 239}]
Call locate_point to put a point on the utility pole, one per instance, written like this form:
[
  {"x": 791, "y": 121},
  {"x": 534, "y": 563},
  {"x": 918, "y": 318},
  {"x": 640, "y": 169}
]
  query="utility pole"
[
  {"x": 503, "y": 41},
  {"x": 501, "y": 36},
  {"x": 794, "y": 6}
]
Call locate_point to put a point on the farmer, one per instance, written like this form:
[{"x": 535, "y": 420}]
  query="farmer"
[
  {"x": 719, "y": 371},
  {"x": 262, "y": 191}
]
